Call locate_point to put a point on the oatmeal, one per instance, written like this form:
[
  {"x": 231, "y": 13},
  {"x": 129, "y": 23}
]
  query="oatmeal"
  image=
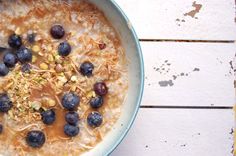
[{"x": 63, "y": 77}]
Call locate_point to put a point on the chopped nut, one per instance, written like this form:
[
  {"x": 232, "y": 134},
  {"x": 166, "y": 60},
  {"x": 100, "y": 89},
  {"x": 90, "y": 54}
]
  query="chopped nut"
[
  {"x": 36, "y": 48},
  {"x": 68, "y": 74},
  {"x": 91, "y": 94},
  {"x": 18, "y": 31},
  {"x": 34, "y": 59},
  {"x": 58, "y": 59},
  {"x": 49, "y": 48},
  {"x": 73, "y": 33},
  {"x": 36, "y": 105},
  {"x": 46, "y": 75},
  {"x": 43, "y": 66},
  {"x": 51, "y": 102},
  {"x": 94, "y": 94},
  {"x": 50, "y": 58},
  {"x": 62, "y": 79},
  {"x": 74, "y": 78},
  {"x": 59, "y": 68},
  {"x": 10, "y": 113},
  {"x": 73, "y": 88},
  {"x": 72, "y": 43},
  {"x": 41, "y": 53}
]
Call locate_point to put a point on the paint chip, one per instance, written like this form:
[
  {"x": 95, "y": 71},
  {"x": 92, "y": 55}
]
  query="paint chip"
[
  {"x": 192, "y": 13},
  {"x": 166, "y": 83},
  {"x": 196, "y": 69}
]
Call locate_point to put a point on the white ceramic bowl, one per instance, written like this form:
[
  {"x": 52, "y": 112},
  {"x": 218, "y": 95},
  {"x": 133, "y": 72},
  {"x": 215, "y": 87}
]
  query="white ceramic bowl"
[{"x": 136, "y": 76}]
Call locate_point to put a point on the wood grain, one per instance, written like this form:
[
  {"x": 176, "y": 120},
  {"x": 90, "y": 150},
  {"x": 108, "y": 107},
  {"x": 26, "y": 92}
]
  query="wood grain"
[
  {"x": 200, "y": 74},
  {"x": 170, "y": 132},
  {"x": 171, "y": 19}
]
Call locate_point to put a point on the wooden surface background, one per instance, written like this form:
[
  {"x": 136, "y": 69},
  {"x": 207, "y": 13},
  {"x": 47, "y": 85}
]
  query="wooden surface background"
[{"x": 190, "y": 61}]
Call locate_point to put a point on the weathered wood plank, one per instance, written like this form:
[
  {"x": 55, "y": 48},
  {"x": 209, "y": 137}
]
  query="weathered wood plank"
[
  {"x": 200, "y": 74},
  {"x": 178, "y": 132},
  {"x": 162, "y": 19}
]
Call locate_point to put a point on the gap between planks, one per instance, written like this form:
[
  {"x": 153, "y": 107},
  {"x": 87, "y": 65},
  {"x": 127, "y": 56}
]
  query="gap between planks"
[
  {"x": 188, "y": 107},
  {"x": 181, "y": 40}
]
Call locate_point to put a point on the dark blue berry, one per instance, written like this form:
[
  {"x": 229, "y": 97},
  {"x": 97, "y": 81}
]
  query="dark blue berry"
[
  {"x": 5, "y": 102},
  {"x": 94, "y": 119},
  {"x": 1, "y": 128},
  {"x": 70, "y": 101},
  {"x": 72, "y": 118},
  {"x": 25, "y": 68},
  {"x": 96, "y": 102},
  {"x": 31, "y": 37},
  {"x": 48, "y": 116},
  {"x": 100, "y": 88},
  {"x": 14, "y": 41},
  {"x": 86, "y": 68},
  {"x": 35, "y": 139},
  {"x": 3, "y": 69},
  {"x": 57, "y": 31},
  {"x": 71, "y": 130},
  {"x": 10, "y": 59},
  {"x": 64, "y": 49},
  {"x": 24, "y": 55}
]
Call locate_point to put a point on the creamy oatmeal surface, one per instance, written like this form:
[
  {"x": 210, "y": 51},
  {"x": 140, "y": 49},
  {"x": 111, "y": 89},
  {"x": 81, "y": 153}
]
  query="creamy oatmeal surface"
[{"x": 59, "y": 59}]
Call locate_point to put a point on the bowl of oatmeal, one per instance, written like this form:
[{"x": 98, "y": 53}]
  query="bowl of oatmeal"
[{"x": 71, "y": 77}]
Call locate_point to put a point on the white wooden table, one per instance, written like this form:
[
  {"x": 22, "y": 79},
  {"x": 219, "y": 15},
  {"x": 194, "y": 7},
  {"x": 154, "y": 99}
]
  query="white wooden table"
[{"x": 190, "y": 60}]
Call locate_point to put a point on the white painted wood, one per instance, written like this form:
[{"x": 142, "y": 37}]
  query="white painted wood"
[
  {"x": 156, "y": 19},
  {"x": 212, "y": 85},
  {"x": 179, "y": 132}
]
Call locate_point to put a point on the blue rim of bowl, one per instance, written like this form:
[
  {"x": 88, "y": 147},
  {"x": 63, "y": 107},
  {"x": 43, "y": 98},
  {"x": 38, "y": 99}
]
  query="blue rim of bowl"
[{"x": 134, "y": 35}]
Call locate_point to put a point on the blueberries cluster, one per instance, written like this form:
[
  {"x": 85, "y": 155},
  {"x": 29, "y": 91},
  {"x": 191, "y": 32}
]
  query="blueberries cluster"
[
  {"x": 18, "y": 52},
  {"x": 95, "y": 119},
  {"x": 58, "y": 32},
  {"x": 70, "y": 101}
]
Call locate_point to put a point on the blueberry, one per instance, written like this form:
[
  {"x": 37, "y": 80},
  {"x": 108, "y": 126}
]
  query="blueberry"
[
  {"x": 5, "y": 102},
  {"x": 3, "y": 69},
  {"x": 72, "y": 118},
  {"x": 25, "y": 68},
  {"x": 94, "y": 119},
  {"x": 86, "y": 69},
  {"x": 70, "y": 101},
  {"x": 100, "y": 88},
  {"x": 35, "y": 139},
  {"x": 1, "y": 128},
  {"x": 96, "y": 102},
  {"x": 31, "y": 37},
  {"x": 57, "y": 31},
  {"x": 24, "y": 55},
  {"x": 48, "y": 116},
  {"x": 64, "y": 49},
  {"x": 71, "y": 130},
  {"x": 10, "y": 59},
  {"x": 14, "y": 41}
]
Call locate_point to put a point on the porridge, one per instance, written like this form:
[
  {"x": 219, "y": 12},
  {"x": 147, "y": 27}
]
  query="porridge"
[{"x": 63, "y": 77}]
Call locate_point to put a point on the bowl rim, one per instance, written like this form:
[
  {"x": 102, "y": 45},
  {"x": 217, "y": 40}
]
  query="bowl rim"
[{"x": 141, "y": 75}]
